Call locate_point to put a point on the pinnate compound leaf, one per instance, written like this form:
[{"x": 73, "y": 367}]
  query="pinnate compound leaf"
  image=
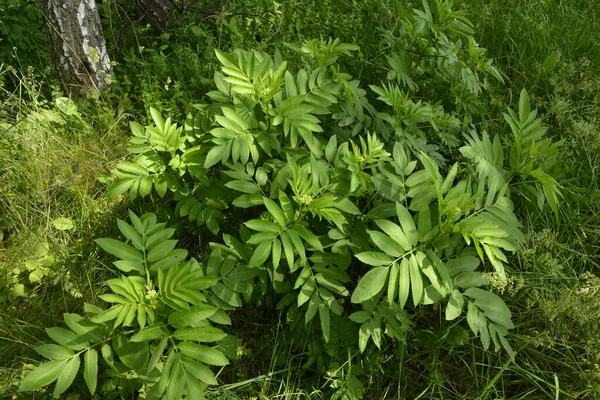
[
  {"x": 194, "y": 389},
  {"x": 382, "y": 211},
  {"x": 148, "y": 333},
  {"x": 524, "y": 107},
  {"x": 363, "y": 336},
  {"x": 200, "y": 334},
  {"x": 83, "y": 326},
  {"x": 220, "y": 317},
  {"x": 243, "y": 186},
  {"x": 309, "y": 237},
  {"x": 161, "y": 250},
  {"x": 442, "y": 270},
  {"x": 288, "y": 249},
  {"x": 393, "y": 282},
  {"x": 331, "y": 148},
  {"x": 370, "y": 284},
  {"x": 145, "y": 185},
  {"x": 119, "y": 186},
  {"x": 492, "y": 306},
  {"x": 347, "y": 206},
  {"x": 386, "y": 244},
  {"x": 176, "y": 385},
  {"x": 260, "y": 225},
  {"x": 375, "y": 259},
  {"x": 128, "y": 266},
  {"x": 407, "y": 223},
  {"x": 226, "y": 59},
  {"x": 200, "y": 371},
  {"x": 157, "y": 353},
  {"x": 90, "y": 370},
  {"x": 325, "y": 321},
  {"x": 130, "y": 233},
  {"x": 108, "y": 315},
  {"x": 67, "y": 376},
  {"x": 478, "y": 324},
  {"x": 416, "y": 280},
  {"x": 159, "y": 237},
  {"x": 166, "y": 371},
  {"x": 455, "y": 305},
  {"x": 67, "y": 338},
  {"x": 133, "y": 354},
  {"x": 120, "y": 249},
  {"x": 501, "y": 333},
  {"x": 276, "y": 212},
  {"x": 360, "y": 317},
  {"x": 227, "y": 294},
  {"x": 191, "y": 317},
  {"x": 248, "y": 200},
  {"x": 54, "y": 352},
  {"x": 205, "y": 354},
  {"x": 307, "y": 290},
  {"x": 216, "y": 154},
  {"x": 276, "y": 255},
  {"x": 171, "y": 260},
  {"x": 260, "y": 255},
  {"x": 424, "y": 223},
  {"x": 42, "y": 375},
  {"x": 113, "y": 298},
  {"x": 297, "y": 242},
  {"x": 394, "y": 232},
  {"x": 157, "y": 118},
  {"x": 458, "y": 265},
  {"x": 313, "y": 307},
  {"x": 130, "y": 169},
  {"x": 470, "y": 279},
  {"x": 403, "y": 282}
]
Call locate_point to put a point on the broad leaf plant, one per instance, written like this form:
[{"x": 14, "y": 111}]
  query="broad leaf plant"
[{"x": 337, "y": 201}]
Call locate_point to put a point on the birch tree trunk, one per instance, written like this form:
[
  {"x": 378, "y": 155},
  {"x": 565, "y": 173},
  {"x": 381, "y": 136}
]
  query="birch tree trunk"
[{"x": 77, "y": 45}]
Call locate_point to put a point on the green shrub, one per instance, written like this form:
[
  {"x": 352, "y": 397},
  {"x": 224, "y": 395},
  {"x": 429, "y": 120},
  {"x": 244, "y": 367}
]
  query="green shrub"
[{"x": 340, "y": 212}]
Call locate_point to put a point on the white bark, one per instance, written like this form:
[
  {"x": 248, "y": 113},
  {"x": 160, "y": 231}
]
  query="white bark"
[{"x": 78, "y": 45}]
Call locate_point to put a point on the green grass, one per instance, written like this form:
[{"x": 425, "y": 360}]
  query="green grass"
[
  {"x": 50, "y": 163},
  {"x": 557, "y": 270}
]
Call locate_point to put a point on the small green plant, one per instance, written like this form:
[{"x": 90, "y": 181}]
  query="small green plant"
[
  {"x": 532, "y": 158},
  {"x": 161, "y": 299},
  {"x": 433, "y": 53}
]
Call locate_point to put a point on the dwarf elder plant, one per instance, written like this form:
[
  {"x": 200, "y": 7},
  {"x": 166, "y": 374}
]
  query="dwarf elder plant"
[{"x": 340, "y": 206}]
